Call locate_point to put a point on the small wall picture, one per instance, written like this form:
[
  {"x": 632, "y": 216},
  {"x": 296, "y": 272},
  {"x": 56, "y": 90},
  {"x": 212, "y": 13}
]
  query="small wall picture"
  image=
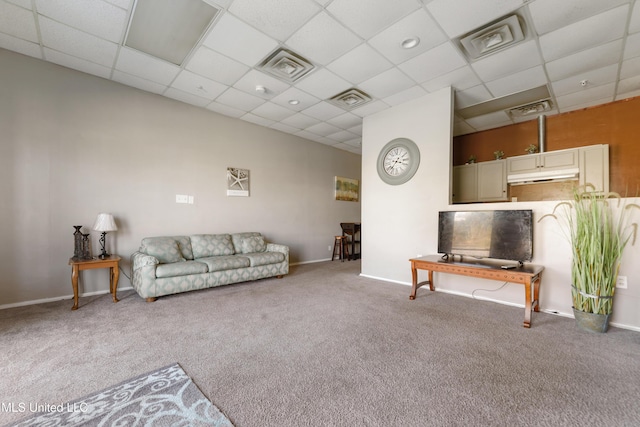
[
  {"x": 237, "y": 182},
  {"x": 347, "y": 189}
]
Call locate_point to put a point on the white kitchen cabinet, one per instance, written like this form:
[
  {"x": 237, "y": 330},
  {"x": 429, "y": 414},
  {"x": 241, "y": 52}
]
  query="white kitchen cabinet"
[{"x": 594, "y": 167}]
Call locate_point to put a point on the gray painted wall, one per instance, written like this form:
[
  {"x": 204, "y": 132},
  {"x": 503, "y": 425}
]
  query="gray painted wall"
[{"x": 74, "y": 145}]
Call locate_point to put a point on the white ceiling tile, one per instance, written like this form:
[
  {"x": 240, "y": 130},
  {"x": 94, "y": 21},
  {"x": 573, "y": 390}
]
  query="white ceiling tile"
[
  {"x": 323, "y": 129},
  {"x": 584, "y": 34},
  {"x": 254, "y": 78},
  {"x": 585, "y": 96},
  {"x": 257, "y": 120},
  {"x": 511, "y": 60},
  {"x": 215, "y": 66},
  {"x": 630, "y": 68},
  {"x": 240, "y": 100},
  {"x": 596, "y": 57},
  {"x": 517, "y": 82},
  {"x": 284, "y": 128},
  {"x": 300, "y": 121},
  {"x": 634, "y": 23},
  {"x": 433, "y": 63},
  {"x": 462, "y": 128},
  {"x": 304, "y": 99},
  {"x": 368, "y": 17},
  {"x": 627, "y": 95},
  {"x": 17, "y": 22},
  {"x": 323, "y": 111},
  {"x": 272, "y": 111},
  {"x": 418, "y": 24},
  {"x": 342, "y": 136},
  {"x": 370, "y": 108},
  {"x": 596, "y": 77},
  {"x": 387, "y": 83},
  {"x": 197, "y": 85},
  {"x": 323, "y": 39},
  {"x": 187, "y": 98},
  {"x": 246, "y": 44},
  {"x": 460, "y": 79},
  {"x": 586, "y": 104},
  {"x": 277, "y": 18},
  {"x": 629, "y": 86},
  {"x": 345, "y": 121},
  {"x": 323, "y": 84},
  {"x": 138, "y": 82},
  {"x": 21, "y": 46},
  {"x": 549, "y": 15},
  {"x": 359, "y": 64},
  {"x": 356, "y": 142},
  {"x": 91, "y": 16},
  {"x": 142, "y": 65},
  {"x": 219, "y": 4},
  {"x": 225, "y": 110},
  {"x": 471, "y": 96},
  {"x": 77, "y": 43},
  {"x": 76, "y": 63},
  {"x": 404, "y": 96},
  {"x": 488, "y": 121},
  {"x": 356, "y": 129},
  {"x": 461, "y": 16},
  {"x": 322, "y": 2},
  {"x": 632, "y": 46},
  {"x": 22, "y": 3}
]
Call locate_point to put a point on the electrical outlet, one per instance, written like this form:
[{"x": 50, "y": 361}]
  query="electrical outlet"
[
  {"x": 621, "y": 283},
  {"x": 182, "y": 198},
  {"x": 329, "y": 248}
]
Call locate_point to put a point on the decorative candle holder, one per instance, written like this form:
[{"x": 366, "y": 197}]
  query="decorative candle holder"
[{"x": 77, "y": 242}]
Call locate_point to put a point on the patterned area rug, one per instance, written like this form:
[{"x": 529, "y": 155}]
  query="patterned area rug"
[{"x": 166, "y": 397}]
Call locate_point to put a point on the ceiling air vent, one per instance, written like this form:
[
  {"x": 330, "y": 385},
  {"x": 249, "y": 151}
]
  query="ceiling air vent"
[
  {"x": 493, "y": 37},
  {"x": 286, "y": 65},
  {"x": 350, "y": 99},
  {"x": 534, "y": 108}
]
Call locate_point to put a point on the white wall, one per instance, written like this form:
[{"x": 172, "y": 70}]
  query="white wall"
[
  {"x": 74, "y": 145},
  {"x": 400, "y": 222}
]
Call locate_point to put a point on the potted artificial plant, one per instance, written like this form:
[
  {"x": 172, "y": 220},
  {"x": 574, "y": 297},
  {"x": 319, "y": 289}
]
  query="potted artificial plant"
[{"x": 598, "y": 235}]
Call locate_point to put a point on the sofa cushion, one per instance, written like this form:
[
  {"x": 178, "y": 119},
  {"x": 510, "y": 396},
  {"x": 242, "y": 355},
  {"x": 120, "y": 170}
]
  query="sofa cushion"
[
  {"x": 264, "y": 258},
  {"x": 228, "y": 262},
  {"x": 207, "y": 245},
  {"x": 237, "y": 239},
  {"x": 184, "y": 244},
  {"x": 180, "y": 269},
  {"x": 165, "y": 249},
  {"x": 252, "y": 244}
]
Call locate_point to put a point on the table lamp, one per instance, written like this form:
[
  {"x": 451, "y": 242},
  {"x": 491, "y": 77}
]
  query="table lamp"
[{"x": 104, "y": 223}]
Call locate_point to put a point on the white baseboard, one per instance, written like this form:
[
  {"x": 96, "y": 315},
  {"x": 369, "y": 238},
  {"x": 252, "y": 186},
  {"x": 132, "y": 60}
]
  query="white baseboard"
[{"x": 60, "y": 298}]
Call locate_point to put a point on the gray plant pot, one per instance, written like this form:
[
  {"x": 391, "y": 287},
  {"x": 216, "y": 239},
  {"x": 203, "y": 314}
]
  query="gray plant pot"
[{"x": 591, "y": 322}]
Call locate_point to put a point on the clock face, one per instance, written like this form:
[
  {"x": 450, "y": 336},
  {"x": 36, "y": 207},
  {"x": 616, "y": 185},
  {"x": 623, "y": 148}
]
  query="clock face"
[{"x": 398, "y": 161}]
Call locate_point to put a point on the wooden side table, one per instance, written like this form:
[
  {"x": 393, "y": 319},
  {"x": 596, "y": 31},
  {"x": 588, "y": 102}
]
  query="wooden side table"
[{"x": 77, "y": 265}]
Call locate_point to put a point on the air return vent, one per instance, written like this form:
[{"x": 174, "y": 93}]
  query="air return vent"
[
  {"x": 493, "y": 37},
  {"x": 534, "y": 108},
  {"x": 350, "y": 99},
  {"x": 286, "y": 65}
]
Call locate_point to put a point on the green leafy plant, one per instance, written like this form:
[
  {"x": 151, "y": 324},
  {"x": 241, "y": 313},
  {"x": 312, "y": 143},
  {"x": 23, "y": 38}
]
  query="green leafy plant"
[
  {"x": 498, "y": 154},
  {"x": 532, "y": 148},
  {"x": 472, "y": 159},
  {"x": 598, "y": 237}
]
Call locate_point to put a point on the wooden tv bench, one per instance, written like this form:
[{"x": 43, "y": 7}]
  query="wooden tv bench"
[{"x": 528, "y": 275}]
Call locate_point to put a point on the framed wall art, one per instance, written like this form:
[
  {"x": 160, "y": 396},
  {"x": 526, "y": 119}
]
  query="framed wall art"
[
  {"x": 237, "y": 182},
  {"x": 347, "y": 189}
]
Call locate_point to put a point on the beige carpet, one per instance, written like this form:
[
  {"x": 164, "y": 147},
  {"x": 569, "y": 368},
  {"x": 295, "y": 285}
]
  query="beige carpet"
[{"x": 326, "y": 347}]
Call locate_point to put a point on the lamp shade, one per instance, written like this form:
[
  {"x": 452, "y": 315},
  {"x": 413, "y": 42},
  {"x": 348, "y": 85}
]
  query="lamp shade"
[{"x": 105, "y": 222}]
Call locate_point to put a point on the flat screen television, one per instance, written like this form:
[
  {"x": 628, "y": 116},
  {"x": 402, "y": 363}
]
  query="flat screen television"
[{"x": 500, "y": 234}]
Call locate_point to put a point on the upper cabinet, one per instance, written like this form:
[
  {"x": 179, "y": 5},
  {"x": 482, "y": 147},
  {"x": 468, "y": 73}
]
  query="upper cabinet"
[{"x": 488, "y": 181}]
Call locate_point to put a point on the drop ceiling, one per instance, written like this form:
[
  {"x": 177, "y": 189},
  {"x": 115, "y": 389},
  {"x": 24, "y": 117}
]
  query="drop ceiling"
[{"x": 586, "y": 52}]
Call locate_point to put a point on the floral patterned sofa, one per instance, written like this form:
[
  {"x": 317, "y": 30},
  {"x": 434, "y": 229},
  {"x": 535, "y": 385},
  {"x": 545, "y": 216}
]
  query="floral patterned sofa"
[{"x": 169, "y": 265}]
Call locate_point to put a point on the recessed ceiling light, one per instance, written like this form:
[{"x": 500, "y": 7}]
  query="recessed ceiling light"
[
  {"x": 410, "y": 42},
  {"x": 294, "y": 102}
]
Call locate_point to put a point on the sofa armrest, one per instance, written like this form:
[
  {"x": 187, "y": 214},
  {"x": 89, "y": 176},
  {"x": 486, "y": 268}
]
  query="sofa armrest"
[
  {"x": 139, "y": 260},
  {"x": 274, "y": 247}
]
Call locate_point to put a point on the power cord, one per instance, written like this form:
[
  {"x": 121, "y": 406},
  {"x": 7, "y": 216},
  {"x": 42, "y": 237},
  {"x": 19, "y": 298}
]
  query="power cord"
[{"x": 473, "y": 294}]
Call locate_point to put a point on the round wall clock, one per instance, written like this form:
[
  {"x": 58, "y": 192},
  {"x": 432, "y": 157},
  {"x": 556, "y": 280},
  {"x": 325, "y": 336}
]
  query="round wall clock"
[{"x": 398, "y": 161}]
